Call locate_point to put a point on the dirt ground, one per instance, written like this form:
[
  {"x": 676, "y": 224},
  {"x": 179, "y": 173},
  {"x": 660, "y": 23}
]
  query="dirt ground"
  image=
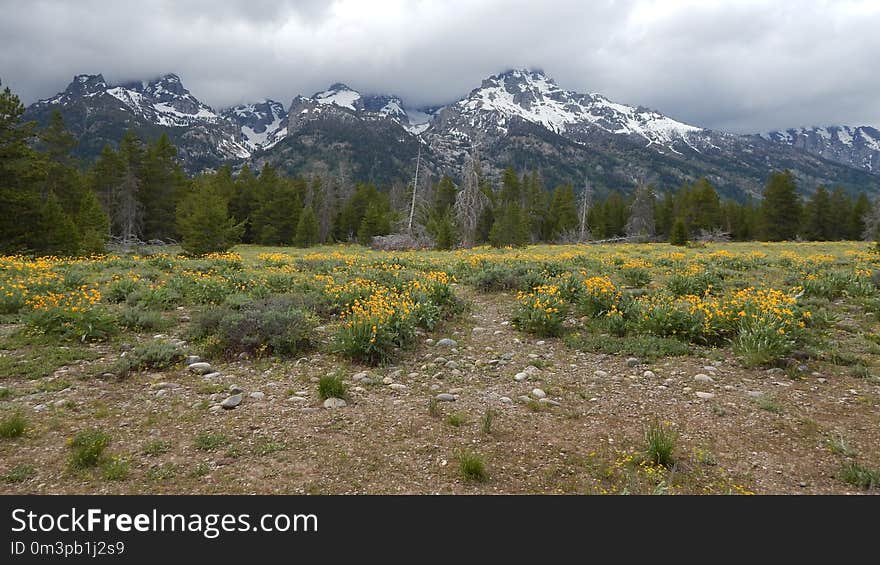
[{"x": 762, "y": 432}]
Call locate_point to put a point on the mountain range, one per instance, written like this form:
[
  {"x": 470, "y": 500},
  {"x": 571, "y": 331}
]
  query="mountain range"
[{"x": 518, "y": 118}]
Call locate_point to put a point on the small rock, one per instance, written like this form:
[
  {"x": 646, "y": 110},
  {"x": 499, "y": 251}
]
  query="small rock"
[
  {"x": 358, "y": 377},
  {"x": 215, "y": 408},
  {"x": 505, "y": 400},
  {"x": 538, "y": 393},
  {"x": 705, "y": 395},
  {"x": 235, "y": 389},
  {"x": 649, "y": 374},
  {"x": 601, "y": 374},
  {"x": 520, "y": 377},
  {"x": 192, "y": 359},
  {"x": 531, "y": 370},
  {"x": 451, "y": 365},
  {"x": 331, "y": 403},
  {"x": 507, "y": 356},
  {"x": 703, "y": 378},
  {"x": 297, "y": 399},
  {"x": 821, "y": 381},
  {"x": 456, "y": 391},
  {"x": 446, "y": 342},
  {"x": 213, "y": 375},
  {"x": 184, "y": 318},
  {"x": 397, "y": 387},
  {"x": 710, "y": 368},
  {"x": 548, "y": 402},
  {"x": 429, "y": 341},
  {"x": 257, "y": 395},
  {"x": 524, "y": 399},
  {"x": 199, "y": 367},
  {"x": 632, "y": 362},
  {"x": 445, "y": 397},
  {"x": 125, "y": 347},
  {"x": 540, "y": 342},
  {"x": 162, "y": 392},
  {"x": 387, "y": 380},
  {"x": 412, "y": 376},
  {"x": 754, "y": 394},
  {"x": 231, "y": 402},
  {"x": 40, "y": 407}
]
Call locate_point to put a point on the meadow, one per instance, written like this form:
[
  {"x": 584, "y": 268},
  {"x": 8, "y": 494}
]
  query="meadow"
[{"x": 631, "y": 368}]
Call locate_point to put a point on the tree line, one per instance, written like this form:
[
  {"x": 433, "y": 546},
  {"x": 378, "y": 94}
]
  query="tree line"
[{"x": 138, "y": 192}]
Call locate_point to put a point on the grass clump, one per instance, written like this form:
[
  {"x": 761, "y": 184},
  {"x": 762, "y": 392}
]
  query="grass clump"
[
  {"x": 859, "y": 476},
  {"x": 487, "y": 420},
  {"x": 331, "y": 386},
  {"x": 456, "y": 420},
  {"x": 88, "y": 447},
  {"x": 115, "y": 469},
  {"x": 13, "y": 426},
  {"x": 660, "y": 439},
  {"x": 472, "y": 467},
  {"x": 207, "y": 441},
  {"x": 19, "y": 474},
  {"x": 157, "y": 447}
]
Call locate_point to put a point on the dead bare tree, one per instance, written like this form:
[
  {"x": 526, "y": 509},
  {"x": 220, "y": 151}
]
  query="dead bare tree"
[
  {"x": 128, "y": 209},
  {"x": 470, "y": 201},
  {"x": 586, "y": 202},
  {"x": 641, "y": 216}
]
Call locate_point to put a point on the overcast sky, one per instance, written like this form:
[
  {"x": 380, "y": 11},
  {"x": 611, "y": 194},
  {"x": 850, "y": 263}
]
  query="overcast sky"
[{"x": 745, "y": 65}]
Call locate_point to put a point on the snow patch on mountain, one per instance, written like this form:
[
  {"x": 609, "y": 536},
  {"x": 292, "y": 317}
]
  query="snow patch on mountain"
[{"x": 338, "y": 94}]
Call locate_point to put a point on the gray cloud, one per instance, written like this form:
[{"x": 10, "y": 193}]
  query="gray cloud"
[{"x": 748, "y": 65}]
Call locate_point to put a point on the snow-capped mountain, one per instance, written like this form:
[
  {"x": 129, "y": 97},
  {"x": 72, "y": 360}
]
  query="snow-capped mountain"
[
  {"x": 261, "y": 124},
  {"x": 533, "y": 97},
  {"x": 854, "y": 146},
  {"x": 342, "y": 97},
  {"x": 98, "y": 113},
  {"x": 518, "y": 118}
]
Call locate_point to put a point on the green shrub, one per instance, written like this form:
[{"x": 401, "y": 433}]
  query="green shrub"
[
  {"x": 84, "y": 324},
  {"x": 699, "y": 283},
  {"x": 88, "y": 447},
  {"x": 636, "y": 276},
  {"x": 155, "y": 354},
  {"x": 270, "y": 327},
  {"x": 140, "y": 319}
]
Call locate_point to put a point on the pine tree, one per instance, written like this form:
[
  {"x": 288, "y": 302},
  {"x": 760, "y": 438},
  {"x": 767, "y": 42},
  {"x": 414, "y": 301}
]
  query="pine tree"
[
  {"x": 92, "y": 224},
  {"x": 563, "y": 217},
  {"x": 441, "y": 222},
  {"x": 856, "y": 221},
  {"x": 56, "y": 234},
  {"x": 818, "y": 216},
  {"x": 204, "y": 222},
  {"x": 679, "y": 234},
  {"x": 537, "y": 208},
  {"x": 840, "y": 207},
  {"x": 511, "y": 225},
  {"x": 780, "y": 208},
  {"x": 161, "y": 180},
  {"x": 307, "y": 231},
  {"x": 376, "y": 221}
]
